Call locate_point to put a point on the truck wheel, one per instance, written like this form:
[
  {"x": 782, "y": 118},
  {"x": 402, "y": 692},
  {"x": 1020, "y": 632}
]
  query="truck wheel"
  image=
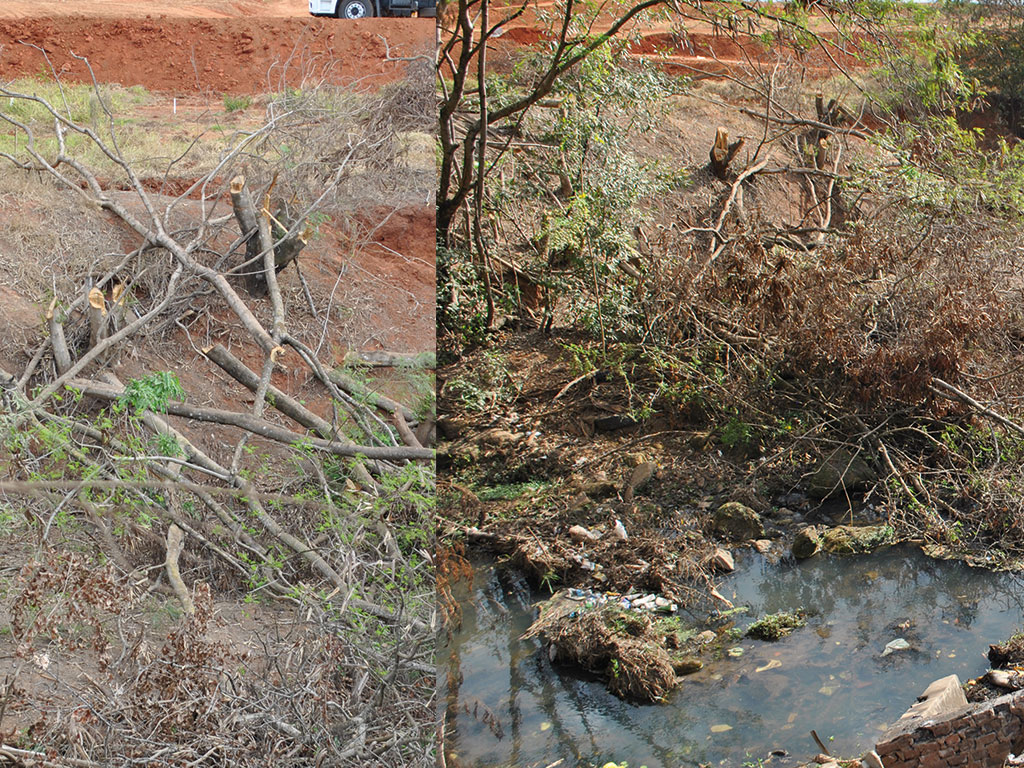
[
  {"x": 355, "y": 9},
  {"x": 430, "y": 12}
]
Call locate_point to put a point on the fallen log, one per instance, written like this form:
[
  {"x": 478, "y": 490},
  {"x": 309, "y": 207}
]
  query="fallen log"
[
  {"x": 407, "y": 434},
  {"x": 286, "y": 404},
  {"x": 391, "y": 359}
]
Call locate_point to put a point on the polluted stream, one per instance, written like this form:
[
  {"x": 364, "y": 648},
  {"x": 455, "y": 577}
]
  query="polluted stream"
[{"x": 507, "y": 705}]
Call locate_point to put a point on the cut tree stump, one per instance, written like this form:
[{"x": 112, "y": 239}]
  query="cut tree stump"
[
  {"x": 262, "y": 230},
  {"x": 97, "y": 313},
  {"x": 722, "y": 153}
]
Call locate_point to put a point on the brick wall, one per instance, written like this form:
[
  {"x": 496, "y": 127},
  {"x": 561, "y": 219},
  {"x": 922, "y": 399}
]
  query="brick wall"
[{"x": 942, "y": 729}]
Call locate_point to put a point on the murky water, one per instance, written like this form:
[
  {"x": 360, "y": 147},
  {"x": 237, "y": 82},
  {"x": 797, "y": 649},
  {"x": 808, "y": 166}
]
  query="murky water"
[{"x": 507, "y": 705}]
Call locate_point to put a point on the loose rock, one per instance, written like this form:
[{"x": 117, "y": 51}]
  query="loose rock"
[
  {"x": 579, "y": 501},
  {"x": 640, "y": 476},
  {"x": 722, "y": 560},
  {"x": 842, "y": 471},
  {"x": 738, "y": 522},
  {"x": 599, "y": 487},
  {"x": 618, "y": 532},
  {"x": 851, "y": 540},
  {"x": 581, "y": 534},
  {"x": 807, "y": 543},
  {"x": 687, "y": 665}
]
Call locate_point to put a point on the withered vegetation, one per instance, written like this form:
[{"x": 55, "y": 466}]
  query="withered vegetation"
[{"x": 216, "y": 537}]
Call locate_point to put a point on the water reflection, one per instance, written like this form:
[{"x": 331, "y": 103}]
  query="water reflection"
[{"x": 505, "y": 704}]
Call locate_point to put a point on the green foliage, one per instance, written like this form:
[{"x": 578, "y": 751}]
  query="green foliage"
[
  {"x": 461, "y": 304},
  {"x": 486, "y": 385},
  {"x": 236, "y": 103},
  {"x": 151, "y": 393},
  {"x": 737, "y": 434},
  {"x": 604, "y": 106},
  {"x": 995, "y": 60},
  {"x": 510, "y": 491},
  {"x": 963, "y": 171},
  {"x": 167, "y": 445},
  {"x": 549, "y": 581},
  {"x": 926, "y": 74}
]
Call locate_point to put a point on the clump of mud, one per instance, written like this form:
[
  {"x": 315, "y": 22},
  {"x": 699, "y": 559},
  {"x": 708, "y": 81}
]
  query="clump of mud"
[{"x": 624, "y": 648}]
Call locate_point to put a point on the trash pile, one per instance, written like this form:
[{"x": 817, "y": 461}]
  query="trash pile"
[{"x": 636, "y": 601}]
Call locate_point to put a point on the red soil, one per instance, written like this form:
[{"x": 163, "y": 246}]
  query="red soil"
[{"x": 182, "y": 55}]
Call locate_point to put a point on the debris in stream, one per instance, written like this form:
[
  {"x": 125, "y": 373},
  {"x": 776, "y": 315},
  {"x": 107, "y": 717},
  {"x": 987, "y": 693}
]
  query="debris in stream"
[
  {"x": 1008, "y": 654},
  {"x": 619, "y": 637},
  {"x": 899, "y": 644},
  {"x": 1007, "y": 660}
]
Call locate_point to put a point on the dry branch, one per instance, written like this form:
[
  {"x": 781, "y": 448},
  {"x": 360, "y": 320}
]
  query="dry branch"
[
  {"x": 263, "y": 428},
  {"x": 407, "y": 434},
  {"x": 950, "y": 392},
  {"x": 390, "y": 359},
  {"x": 251, "y": 497},
  {"x": 175, "y": 543},
  {"x": 58, "y": 341},
  {"x": 282, "y": 402}
]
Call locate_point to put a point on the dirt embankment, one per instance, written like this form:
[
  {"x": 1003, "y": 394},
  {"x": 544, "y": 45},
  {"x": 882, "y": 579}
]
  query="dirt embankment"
[
  {"x": 702, "y": 52},
  {"x": 17, "y": 9},
  {"x": 184, "y": 54}
]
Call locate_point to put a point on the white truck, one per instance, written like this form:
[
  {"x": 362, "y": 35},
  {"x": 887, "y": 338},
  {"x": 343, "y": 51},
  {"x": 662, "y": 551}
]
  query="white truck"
[{"x": 361, "y": 9}]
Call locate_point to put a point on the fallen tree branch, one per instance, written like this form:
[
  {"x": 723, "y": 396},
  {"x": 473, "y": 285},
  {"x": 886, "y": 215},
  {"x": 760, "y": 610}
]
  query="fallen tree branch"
[
  {"x": 61, "y": 356},
  {"x": 950, "y": 392},
  {"x": 31, "y": 757},
  {"x": 264, "y": 428},
  {"x": 392, "y": 359},
  {"x": 407, "y": 434},
  {"x": 289, "y": 406}
]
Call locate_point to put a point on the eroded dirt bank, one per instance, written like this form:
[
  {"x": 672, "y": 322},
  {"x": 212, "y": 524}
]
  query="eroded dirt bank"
[{"x": 187, "y": 54}]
